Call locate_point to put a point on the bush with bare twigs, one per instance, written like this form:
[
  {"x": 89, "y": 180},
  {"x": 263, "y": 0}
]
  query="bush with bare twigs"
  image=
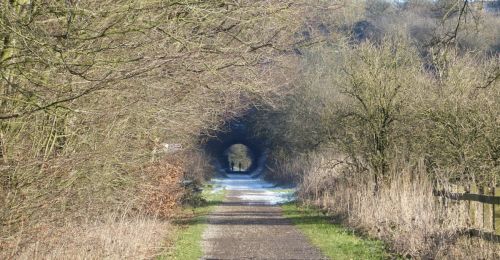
[
  {"x": 375, "y": 124},
  {"x": 92, "y": 91}
]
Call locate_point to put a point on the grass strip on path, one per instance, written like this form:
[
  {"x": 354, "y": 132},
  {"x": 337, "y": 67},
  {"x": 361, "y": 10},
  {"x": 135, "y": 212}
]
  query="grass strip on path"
[
  {"x": 190, "y": 227},
  {"x": 332, "y": 239}
]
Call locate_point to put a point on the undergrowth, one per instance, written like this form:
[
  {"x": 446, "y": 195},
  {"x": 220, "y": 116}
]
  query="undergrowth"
[
  {"x": 331, "y": 238},
  {"x": 190, "y": 226}
]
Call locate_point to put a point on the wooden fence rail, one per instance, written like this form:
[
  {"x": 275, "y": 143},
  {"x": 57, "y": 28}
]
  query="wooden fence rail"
[
  {"x": 489, "y": 236},
  {"x": 485, "y": 199},
  {"x": 469, "y": 196}
]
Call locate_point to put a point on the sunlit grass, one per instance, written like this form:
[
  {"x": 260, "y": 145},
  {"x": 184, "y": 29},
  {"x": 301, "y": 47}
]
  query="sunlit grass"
[
  {"x": 187, "y": 237},
  {"x": 332, "y": 239}
]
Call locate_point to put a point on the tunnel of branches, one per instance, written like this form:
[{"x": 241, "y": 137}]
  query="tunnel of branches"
[{"x": 236, "y": 149}]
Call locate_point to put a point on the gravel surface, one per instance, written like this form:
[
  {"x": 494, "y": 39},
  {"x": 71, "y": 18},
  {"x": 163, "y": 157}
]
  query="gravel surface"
[{"x": 240, "y": 228}]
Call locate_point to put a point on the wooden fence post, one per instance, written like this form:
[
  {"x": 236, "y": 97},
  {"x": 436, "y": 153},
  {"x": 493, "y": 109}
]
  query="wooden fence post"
[
  {"x": 479, "y": 213},
  {"x": 468, "y": 203},
  {"x": 493, "y": 226},
  {"x": 481, "y": 191}
]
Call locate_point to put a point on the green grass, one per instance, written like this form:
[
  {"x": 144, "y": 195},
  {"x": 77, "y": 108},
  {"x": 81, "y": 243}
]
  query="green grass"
[
  {"x": 187, "y": 237},
  {"x": 332, "y": 239}
]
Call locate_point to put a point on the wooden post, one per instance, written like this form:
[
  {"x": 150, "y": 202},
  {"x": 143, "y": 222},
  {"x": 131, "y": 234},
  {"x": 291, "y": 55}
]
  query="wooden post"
[
  {"x": 468, "y": 203},
  {"x": 481, "y": 191},
  {"x": 493, "y": 209}
]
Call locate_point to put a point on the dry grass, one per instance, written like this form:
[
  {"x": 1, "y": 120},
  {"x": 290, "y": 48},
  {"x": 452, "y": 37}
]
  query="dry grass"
[
  {"x": 81, "y": 148},
  {"x": 120, "y": 217},
  {"x": 115, "y": 238},
  {"x": 403, "y": 213},
  {"x": 285, "y": 170}
]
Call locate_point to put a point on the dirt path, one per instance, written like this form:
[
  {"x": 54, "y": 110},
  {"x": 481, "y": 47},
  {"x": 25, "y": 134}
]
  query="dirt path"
[{"x": 248, "y": 226}]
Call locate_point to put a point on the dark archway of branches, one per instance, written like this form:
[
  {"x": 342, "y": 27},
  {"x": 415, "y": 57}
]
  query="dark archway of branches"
[{"x": 236, "y": 133}]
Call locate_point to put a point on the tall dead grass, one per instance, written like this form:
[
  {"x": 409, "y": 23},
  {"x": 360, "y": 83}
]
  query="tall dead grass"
[
  {"x": 284, "y": 171},
  {"x": 117, "y": 237},
  {"x": 404, "y": 212},
  {"x": 125, "y": 217}
]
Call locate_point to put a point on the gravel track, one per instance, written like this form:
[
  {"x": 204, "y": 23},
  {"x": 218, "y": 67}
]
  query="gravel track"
[{"x": 251, "y": 229}]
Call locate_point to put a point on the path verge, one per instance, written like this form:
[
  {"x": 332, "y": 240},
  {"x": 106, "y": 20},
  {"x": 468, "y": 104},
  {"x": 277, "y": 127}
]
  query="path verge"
[
  {"x": 190, "y": 227},
  {"x": 332, "y": 239}
]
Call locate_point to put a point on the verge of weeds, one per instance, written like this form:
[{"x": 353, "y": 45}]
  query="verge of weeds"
[
  {"x": 332, "y": 239},
  {"x": 190, "y": 226}
]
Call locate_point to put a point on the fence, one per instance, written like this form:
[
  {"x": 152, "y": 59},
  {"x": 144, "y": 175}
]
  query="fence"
[{"x": 484, "y": 200}]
